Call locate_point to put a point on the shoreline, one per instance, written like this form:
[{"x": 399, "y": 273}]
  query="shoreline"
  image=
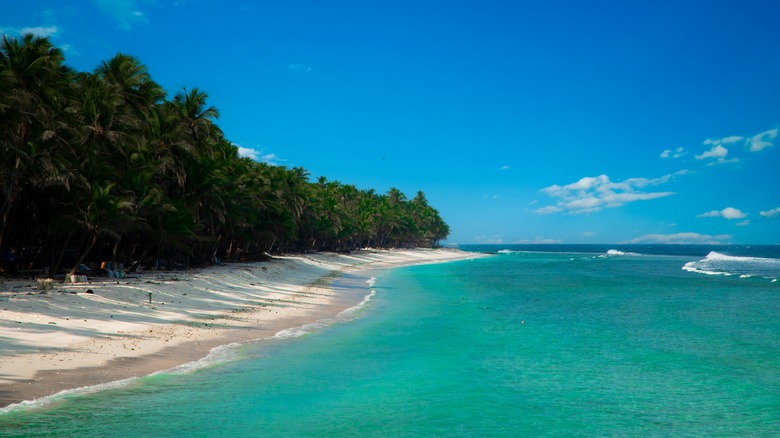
[{"x": 67, "y": 338}]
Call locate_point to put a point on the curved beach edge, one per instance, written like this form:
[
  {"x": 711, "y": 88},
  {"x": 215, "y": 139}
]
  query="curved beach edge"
[{"x": 67, "y": 338}]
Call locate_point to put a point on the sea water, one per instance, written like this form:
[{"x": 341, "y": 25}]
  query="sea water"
[{"x": 532, "y": 341}]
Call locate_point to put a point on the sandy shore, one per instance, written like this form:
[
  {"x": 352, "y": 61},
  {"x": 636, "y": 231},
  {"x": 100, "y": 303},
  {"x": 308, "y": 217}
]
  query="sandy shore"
[{"x": 67, "y": 337}]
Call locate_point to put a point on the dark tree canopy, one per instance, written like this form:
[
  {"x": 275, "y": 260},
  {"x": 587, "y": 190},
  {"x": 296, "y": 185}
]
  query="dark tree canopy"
[{"x": 101, "y": 166}]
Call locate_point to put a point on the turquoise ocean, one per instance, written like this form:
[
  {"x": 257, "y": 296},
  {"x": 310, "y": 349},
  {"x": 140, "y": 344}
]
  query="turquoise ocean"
[{"x": 550, "y": 340}]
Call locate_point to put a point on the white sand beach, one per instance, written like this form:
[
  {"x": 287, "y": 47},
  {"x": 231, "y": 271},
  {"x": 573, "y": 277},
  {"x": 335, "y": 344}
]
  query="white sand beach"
[{"x": 67, "y": 337}]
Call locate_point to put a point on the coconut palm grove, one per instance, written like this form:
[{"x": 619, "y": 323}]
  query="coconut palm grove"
[{"x": 104, "y": 166}]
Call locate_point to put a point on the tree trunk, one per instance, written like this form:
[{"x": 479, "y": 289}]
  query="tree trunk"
[
  {"x": 114, "y": 251},
  {"x": 85, "y": 254},
  {"x": 57, "y": 265},
  {"x": 229, "y": 250},
  {"x": 4, "y": 223},
  {"x": 139, "y": 260}
]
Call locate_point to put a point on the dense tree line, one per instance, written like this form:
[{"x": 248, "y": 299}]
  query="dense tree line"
[{"x": 102, "y": 166}]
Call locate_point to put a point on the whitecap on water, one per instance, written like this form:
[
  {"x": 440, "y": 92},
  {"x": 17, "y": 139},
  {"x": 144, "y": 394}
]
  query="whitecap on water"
[
  {"x": 54, "y": 398},
  {"x": 344, "y": 316},
  {"x": 616, "y": 253},
  {"x": 217, "y": 355},
  {"x": 716, "y": 263}
]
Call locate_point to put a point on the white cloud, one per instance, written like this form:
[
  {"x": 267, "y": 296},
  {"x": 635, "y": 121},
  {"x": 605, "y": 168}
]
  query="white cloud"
[
  {"x": 717, "y": 151},
  {"x": 681, "y": 238},
  {"x": 723, "y": 161},
  {"x": 548, "y": 210},
  {"x": 586, "y": 204},
  {"x": 489, "y": 240},
  {"x": 504, "y": 168},
  {"x": 743, "y": 223},
  {"x": 248, "y": 153},
  {"x": 760, "y": 141},
  {"x": 771, "y": 213},
  {"x": 124, "y": 12},
  {"x": 677, "y": 153},
  {"x": 725, "y": 140},
  {"x": 259, "y": 156},
  {"x": 727, "y": 213},
  {"x": 732, "y": 213},
  {"x": 538, "y": 241},
  {"x": 271, "y": 159},
  {"x": 67, "y": 48},
  {"x": 40, "y": 31},
  {"x": 592, "y": 194}
]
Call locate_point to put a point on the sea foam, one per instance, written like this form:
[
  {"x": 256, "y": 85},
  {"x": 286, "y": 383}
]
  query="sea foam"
[
  {"x": 616, "y": 253},
  {"x": 716, "y": 263},
  {"x": 343, "y": 316},
  {"x": 220, "y": 354},
  {"x": 54, "y": 398},
  {"x": 217, "y": 355}
]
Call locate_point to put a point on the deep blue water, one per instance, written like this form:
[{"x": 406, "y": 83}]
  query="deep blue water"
[{"x": 532, "y": 341}]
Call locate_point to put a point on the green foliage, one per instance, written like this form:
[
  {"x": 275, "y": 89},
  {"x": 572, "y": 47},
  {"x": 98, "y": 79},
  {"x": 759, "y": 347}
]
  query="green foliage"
[{"x": 100, "y": 166}]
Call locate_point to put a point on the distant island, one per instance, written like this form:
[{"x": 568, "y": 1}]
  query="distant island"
[{"x": 101, "y": 166}]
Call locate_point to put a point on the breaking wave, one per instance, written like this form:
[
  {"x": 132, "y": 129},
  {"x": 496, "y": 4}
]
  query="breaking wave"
[
  {"x": 716, "y": 263},
  {"x": 615, "y": 253},
  {"x": 344, "y": 316},
  {"x": 217, "y": 355}
]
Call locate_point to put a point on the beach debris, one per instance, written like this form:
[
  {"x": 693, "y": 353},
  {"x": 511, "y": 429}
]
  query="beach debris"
[
  {"x": 45, "y": 284},
  {"x": 76, "y": 278}
]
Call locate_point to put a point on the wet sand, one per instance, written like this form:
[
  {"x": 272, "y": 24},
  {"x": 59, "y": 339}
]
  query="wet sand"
[{"x": 67, "y": 338}]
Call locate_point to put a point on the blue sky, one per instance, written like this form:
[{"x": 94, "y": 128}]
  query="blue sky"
[{"x": 523, "y": 122}]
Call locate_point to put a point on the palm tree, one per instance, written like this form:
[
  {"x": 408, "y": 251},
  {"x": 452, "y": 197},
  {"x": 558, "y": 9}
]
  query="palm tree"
[
  {"x": 102, "y": 213},
  {"x": 103, "y": 158},
  {"x": 198, "y": 119},
  {"x": 134, "y": 83},
  {"x": 32, "y": 77},
  {"x": 167, "y": 145},
  {"x": 103, "y": 124}
]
